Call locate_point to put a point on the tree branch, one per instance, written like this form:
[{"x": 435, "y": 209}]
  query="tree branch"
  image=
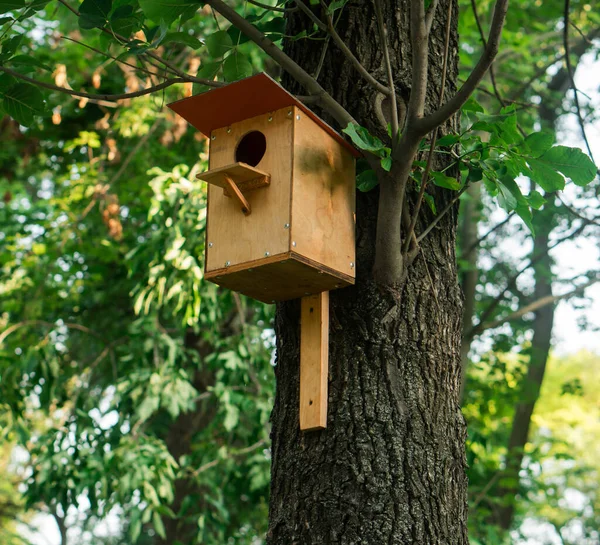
[
  {"x": 26, "y": 323},
  {"x": 425, "y": 177},
  {"x": 536, "y": 305},
  {"x": 444, "y": 211},
  {"x": 81, "y": 94},
  {"x": 389, "y": 73},
  {"x": 419, "y": 43},
  {"x": 355, "y": 62},
  {"x": 297, "y": 72},
  {"x": 572, "y": 79},
  {"x": 437, "y": 118}
]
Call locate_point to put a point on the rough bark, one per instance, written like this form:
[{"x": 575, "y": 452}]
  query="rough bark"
[{"x": 390, "y": 467}]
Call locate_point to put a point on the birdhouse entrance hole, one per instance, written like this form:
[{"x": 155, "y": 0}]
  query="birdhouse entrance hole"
[{"x": 251, "y": 148}]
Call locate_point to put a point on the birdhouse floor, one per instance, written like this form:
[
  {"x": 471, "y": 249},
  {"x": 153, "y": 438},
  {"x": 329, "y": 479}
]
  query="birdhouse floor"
[{"x": 279, "y": 278}]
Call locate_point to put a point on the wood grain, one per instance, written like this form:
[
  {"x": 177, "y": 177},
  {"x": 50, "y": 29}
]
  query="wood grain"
[
  {"x": 314, "y": 361},
  {"x": 323, "y": 197},
  {"x": 237, "y": 238}
]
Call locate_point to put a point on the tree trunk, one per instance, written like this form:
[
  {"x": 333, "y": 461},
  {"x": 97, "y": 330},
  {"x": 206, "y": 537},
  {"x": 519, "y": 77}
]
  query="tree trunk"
[
  {"x": 530, "y": 390},
  {"x": 390, "y": 467}
]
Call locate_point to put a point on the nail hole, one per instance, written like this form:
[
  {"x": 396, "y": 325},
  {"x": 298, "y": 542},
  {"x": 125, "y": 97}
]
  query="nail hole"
[
  {"x": 312, "y": 309},
  {"x": 310, "y": 402}
]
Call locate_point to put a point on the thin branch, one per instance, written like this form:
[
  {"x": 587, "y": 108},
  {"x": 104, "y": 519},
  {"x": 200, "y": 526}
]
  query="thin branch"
[
  {"x": 425, "y": 177},
  {"x": 322, "y": 58},
  {"x": 572, "y": 79},
  {"x": 536, "y": 305},
  {"x": 44, "y": 323},
  {"x": 429, "y": 16},
  {"x": 388, "y": 70},
  {"x": 489, "y": 232},
  {"x": 512, "y": 281},
  {"x": 297, "y": 72},
  {"x": 271, "y": 8},
  {"x": 484, "y": 41},
  {"x": 437, "y": 118},
  {"x": 575, "y": 213},
  {"x": 444, "y": 211},
  {"x": 235, "y": 454},
  {"x": 308, "y": 12},
  {"x": 353, "y": 60},
  {"x": 108, "y": 55},
  {"x": 81, "y": 94}
]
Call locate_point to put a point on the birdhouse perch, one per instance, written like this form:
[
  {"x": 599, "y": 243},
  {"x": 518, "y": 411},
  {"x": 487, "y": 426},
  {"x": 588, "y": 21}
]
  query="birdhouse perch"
[{"x": 280, "y": 219}]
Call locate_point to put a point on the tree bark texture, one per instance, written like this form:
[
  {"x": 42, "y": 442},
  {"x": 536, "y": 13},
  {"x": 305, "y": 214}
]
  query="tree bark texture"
[{"x": 390, "y": 467}]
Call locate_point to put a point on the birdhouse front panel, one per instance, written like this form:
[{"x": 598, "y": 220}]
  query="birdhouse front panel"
[{"x": 233, "y": 238}]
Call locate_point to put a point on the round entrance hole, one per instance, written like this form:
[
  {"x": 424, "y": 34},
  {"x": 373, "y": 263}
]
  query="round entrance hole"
[{"x": 251, "y": 148}]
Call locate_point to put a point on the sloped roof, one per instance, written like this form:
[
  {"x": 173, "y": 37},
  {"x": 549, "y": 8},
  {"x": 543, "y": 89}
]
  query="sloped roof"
[{"x": 241, "y": 100}]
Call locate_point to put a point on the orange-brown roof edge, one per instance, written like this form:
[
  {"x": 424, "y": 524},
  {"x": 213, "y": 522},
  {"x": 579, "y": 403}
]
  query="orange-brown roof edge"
[{"x": 244, "y": 99}]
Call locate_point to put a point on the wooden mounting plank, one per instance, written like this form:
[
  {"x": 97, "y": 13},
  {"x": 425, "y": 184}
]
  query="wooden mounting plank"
[
  {"x": 246, "y": 178},
  {"x": 314, "y": 361}
]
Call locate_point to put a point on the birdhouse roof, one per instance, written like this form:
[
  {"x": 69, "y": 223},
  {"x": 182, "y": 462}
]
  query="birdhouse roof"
[{"x": 241, "y": 100}]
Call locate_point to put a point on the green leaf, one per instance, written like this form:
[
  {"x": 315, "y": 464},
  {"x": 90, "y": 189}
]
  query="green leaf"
[
  {"x": 166, "y": 10},
  {"x": 472, "y": 106},
  {"x": 182, "y": 38},
  {"x": 572, "y": 162},
  {"x": 366, "y": 181},
  {"x": 219, "y": 44},
  {"x": 430, "y": 202},
  {"x": 335, "y": 5},
  {"x": 22, "y": 101},
  {"x": 447, "y": 182},
  {"x": 386, "y": 163},
  {"x": 538, "y": 143},
  {"x": 545, "y": 176},
  {"x": 94, "y": 13},
  {"x": 158, "y": 525},
  {"x": 11, "y": 5},
  {"x": 505, "y": 198},
  {"x": 207, "y": 71},
  {"x": 535, "y": 199},
  {"x": 26, "y": 60},
  {"x": 448, "y": 140},
  {"x": 364, "y": 140},
  {"x": 236, "y": 66}
]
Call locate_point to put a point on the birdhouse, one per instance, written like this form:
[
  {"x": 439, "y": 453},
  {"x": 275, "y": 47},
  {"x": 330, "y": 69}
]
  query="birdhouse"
[
  {"x": 281, "y": 192},
  {"x": 280, "y": 220}
]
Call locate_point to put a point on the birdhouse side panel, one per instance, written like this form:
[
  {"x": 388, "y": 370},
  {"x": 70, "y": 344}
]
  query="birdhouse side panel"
[
  {"x": 234, "y": 238},
  {"x": 323, "y": 198}
]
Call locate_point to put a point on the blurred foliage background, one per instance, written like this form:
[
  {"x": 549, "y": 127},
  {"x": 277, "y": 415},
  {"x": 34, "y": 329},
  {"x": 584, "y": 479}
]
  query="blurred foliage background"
[{"x": 135, "y": 397}]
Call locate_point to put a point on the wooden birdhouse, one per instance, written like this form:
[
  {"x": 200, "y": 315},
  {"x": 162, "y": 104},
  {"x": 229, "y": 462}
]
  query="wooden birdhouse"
[{"x": 280, "y": 221}]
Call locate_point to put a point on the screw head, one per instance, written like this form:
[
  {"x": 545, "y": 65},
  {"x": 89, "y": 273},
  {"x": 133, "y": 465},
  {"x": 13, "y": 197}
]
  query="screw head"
[
  {"x": 352, "y": 264},
  {"x": 290, "y": 113},
  {"x": 228, "y": 130},
  {"x": 227, "y": 263},
  {"x": 294, "y": 243},
  {"x": 321, "y": 272},
  {"x": 337, "y": 285},
  {"x": 286, "y": 226},
  {"x": 270, "y": 118},
  {"x": 267, "y": 254},
  {"x": 250, "y": 270},
  {"x": 210, "y": 244},
  {"x": 213, "y": 137},
  {"x": 306, "y": 293},
  {"x": 298, "y": 117}
]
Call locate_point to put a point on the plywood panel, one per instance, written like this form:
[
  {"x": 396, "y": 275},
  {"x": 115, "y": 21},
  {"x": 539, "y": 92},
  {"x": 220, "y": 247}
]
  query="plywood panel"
[
  {"x": 323, "y": 197},
  {"x": 232, "y": 237},
  {"x": 279, "y": 278},
  {"x": 314, "y": 361}
]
